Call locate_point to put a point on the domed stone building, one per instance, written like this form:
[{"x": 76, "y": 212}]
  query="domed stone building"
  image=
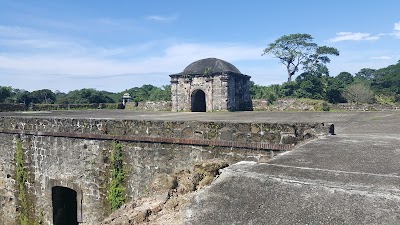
[{"x": 210, "y": 85}]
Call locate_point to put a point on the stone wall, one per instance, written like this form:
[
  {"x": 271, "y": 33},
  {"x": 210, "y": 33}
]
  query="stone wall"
[
  {"x": 214, "y": 87},
  {"x": 5, "y": 107},
  {"x": 284, "y": 104},
  {"x": 289, "y": 104},
  {"x": 149, "y": 106},
  {"x": 365, "y": 107},
  {"x": 48, "y": 107},
  {"x": 223, "y": 92},
  {"x": 75, "y": 153}
]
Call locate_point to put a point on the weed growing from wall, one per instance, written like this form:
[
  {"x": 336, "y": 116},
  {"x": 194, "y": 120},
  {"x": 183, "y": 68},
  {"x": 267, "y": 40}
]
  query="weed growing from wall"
[
  {"x": 116, "y": 192},
  {"x": 22, "y": 178}
]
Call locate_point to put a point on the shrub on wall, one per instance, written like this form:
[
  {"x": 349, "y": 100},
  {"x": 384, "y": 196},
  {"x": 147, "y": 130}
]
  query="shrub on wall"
[
  {"x": 25, "y": 207},
  {"x": 116, "y": 195}
]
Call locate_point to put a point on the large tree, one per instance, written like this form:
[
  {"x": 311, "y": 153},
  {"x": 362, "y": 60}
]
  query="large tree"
[
  {"x": 299, "y": 50},
  {"x": 5, "y": 92}
]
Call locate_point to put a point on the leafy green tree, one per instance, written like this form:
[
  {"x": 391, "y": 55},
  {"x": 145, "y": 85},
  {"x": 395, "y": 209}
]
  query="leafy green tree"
[
  {"x": 22, "y": 96},
  {"x": 269, "y": 93},
  {"x": 43, "y": 96},
  {"x": 149, "y": 93},
  {"x": 345, "y": 77},
  {"x": 288, "y": 89},
  {"x": 296, "y": 50},
  {"x": 334, "y": 90},
  {"x": 316, "y": 63},
  {"x": 310, "y": 86},
  {"x": 366, "y": 73},
  {"x": 387, "y": 81},
  {"x": 5, "y": 92},
  {"x": 85, "y": 96},
  {"x": 161, "y": 94}
]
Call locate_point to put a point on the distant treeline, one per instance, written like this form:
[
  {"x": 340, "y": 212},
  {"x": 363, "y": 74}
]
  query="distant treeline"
[
  {"x": 83, "y": 96},
  {"x": 366, "y": 86}
]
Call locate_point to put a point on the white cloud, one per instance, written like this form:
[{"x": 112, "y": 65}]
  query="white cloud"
[
  {"x": 99, "y": 67},
  {"x": 19, "y": 32},
  {"x": 381, "y": 57},
  {"x": 226, "y": 51},
  {"x": 161, "y": 18},
  {"x": 354, "y": 36},
  {"x": 397, "y": 26},
  {"x": 396, "y": 31}
]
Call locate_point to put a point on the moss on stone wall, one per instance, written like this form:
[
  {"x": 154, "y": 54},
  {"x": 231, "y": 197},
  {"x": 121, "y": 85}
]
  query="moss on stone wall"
[
  {"x": 25, "y": 207},
  {"x": 116, "y": 194}
]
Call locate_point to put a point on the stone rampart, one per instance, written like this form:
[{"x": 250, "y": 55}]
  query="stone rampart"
[
  {"x": 284, "y": 104},
  {"x": 48, "y": 107},
  {"x": 290, "y": 104},
  {"x": 365, "y": 107},
  {"x": 76, "y": 153}
]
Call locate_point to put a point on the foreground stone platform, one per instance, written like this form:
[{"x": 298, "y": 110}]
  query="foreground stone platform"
[
  {"x": 67, "y": 156},
  {"x": 349, "y": 178}
]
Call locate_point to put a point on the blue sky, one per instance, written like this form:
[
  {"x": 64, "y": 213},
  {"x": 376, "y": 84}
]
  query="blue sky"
[{"x": 116, "y": 45}]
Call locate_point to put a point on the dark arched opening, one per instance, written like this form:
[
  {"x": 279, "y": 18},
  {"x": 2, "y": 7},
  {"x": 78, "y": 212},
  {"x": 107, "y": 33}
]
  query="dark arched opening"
[
  {"x": 198, "y": 101},
  {"x": 64, "y": 206}
]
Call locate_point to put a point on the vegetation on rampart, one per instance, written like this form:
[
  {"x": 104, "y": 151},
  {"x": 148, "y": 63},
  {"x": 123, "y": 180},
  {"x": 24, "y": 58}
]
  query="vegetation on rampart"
[
  {"x": 25, "y": 207},
  {"x": 116, "y": 194}
]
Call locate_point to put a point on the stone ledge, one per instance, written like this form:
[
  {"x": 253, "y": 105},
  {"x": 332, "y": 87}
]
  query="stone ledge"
[{"x": 185, "y": 141}]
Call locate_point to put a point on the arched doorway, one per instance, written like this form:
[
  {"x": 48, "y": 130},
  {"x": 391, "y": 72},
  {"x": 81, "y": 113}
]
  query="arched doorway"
[
  {"x": 198, "y": 101},
  {"x": 64, "y": 206}
]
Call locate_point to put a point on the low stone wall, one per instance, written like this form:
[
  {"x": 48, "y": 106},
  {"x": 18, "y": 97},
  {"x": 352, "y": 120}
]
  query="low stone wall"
[
  {"x": 271, "y": 133},
  {"x": 5, "y": 107},
  {"x": 290, "y": 104},
  {"x": 364, "y": 107},
  {"x": 283, "y": 104},
  {"x": 50, "y": 107},
  {"x": 149, "y": 106}
]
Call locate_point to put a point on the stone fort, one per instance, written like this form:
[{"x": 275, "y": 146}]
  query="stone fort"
[
  {"x": 56, "y": 167},
  {"x": 210, "y": 85}
]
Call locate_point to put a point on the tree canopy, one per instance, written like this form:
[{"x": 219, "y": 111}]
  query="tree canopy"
[
  {"x": 366, "y": 86},
  {"x": 297, "y": 51},
  {"x": 83, "y": 96}
]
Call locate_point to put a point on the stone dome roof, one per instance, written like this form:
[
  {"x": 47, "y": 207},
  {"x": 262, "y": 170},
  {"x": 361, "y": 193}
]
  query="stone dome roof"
[{"x": 210, "y": 65}]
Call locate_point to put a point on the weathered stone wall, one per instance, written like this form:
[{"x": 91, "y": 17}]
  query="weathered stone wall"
[
  {"x": 149, "y": 106},
  {"x": 239, "y": 94},
  {"x": 43, "y": 107},
  {"x": 365, "y": 107},
  {"x": 284, "y": 104},
  {"x": 75, "y": 153},
  {"x": 244, "y": 132},
  {"x": 289, "y": 104},
  {"x": 214, "y": 87},
  {"x": 47, "y": 107},
  {"x": 7, "y": 180},
  {"x": 223, "y": 91},
  {"x": 5, "y": 107},
  {"x": 293, "y": 104}
]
